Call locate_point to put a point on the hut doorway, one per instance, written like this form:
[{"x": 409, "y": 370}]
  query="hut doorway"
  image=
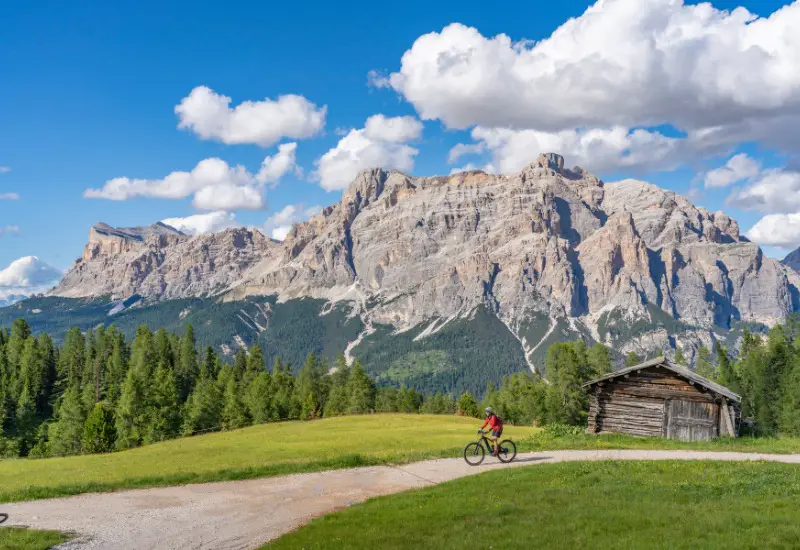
[{"x": 692, "y": 420}]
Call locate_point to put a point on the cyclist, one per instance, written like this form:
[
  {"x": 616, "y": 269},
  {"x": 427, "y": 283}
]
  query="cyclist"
[{"x": 496, "y": 425}]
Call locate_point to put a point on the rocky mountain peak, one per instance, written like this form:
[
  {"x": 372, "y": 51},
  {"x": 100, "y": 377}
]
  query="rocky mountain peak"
[
  {"x": 102, "y": 230},
  {"x": 549, "y": 245},
  {"x": 792, "y": 259}
]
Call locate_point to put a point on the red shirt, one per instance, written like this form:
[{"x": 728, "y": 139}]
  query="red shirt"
[{"x": 493, "y": 423}]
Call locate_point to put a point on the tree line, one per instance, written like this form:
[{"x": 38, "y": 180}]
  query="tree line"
[{"x": 98, "y": 392}]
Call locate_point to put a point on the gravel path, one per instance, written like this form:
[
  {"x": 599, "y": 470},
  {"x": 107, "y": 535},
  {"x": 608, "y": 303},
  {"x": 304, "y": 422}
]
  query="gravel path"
[{"x": 245, "y": 514}]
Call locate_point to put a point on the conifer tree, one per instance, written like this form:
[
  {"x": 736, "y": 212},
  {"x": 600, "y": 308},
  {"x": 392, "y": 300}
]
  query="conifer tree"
[
  {"x": 703, "y": 365},
  {"x": 255, "y": 365},
  {"x": 361, "y": 390},
  {"x": 338, "y": 398},
  {"x": 234, "y": 414},
  {"x": 632, "y": 359},
  {"x": 258, "y": 399},
  {"x": 187, "y": 369},
  {"x": 99, "y": 433},
  {"x": 165, "y": 410},
  {"x": 467, "y": 406},
  {"x": 65, "y": 435}
]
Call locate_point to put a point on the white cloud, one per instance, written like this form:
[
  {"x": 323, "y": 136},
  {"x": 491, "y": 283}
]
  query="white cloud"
[
  {"x": 263, "y": 123},
  {"x": 597, "y": 149},
  {"x": 28, "y": 275},
  {"x": 213, "y": 183},
  {"x": 781, "y": 230},
  {"x": 275, "y": 167},
  {"x": 623, "y": 62},
  {"x": 738, "y": 168},
  {"x": 9, "y": 230},
  {"x": 5, "y": 169},
  {"x": 9, "y": 196},
  {"x": 279, "y": 224},
  {"x": 774, "y": 191},
  {"x": 461, "y": 149},
  {"x": 229, "y": 197},
  {"x": 380, "y": 144},
  {"x": 199, "y": 224},
  {"x": 392, "y": 129}
]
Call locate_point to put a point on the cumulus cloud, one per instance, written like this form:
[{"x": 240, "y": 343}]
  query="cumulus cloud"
[
  {"x": 782, "y": 230},
  {"x": 774, "y": 191},
  {"x": 738, "y": 168},
  {"x": 623, "y": 62},
  {"x": 596, "y": 149},
  {"x": 210, "y": 116},
  {"x": 5, "y": 169},
  {"x": 9, "y": 196},
  {"x": 461, "y": 149},
  {"x": 392, "y": 129},
  {"x": 9, "y": 230},
  {"x": 612, "y": 76},
  {"x": 382, "y": 143},
  {"x": 279, "y": 224},
  {"x": 213, "y": 183},
  {"x": 199, "y": 224},
  {"x": 27, "y": 275},
  {"x": 275, "y": 167}
]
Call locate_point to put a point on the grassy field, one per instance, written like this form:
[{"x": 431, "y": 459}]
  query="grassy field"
[
  {"x": 258, "y": 451},
  {"x": 627, "y": 505},
  {"x": 17, "y": 538},
  {"x": 553, "y": 438}
]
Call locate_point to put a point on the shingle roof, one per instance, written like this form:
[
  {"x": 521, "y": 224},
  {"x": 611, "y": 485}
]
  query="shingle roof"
[{"x": 677, "y": 369}]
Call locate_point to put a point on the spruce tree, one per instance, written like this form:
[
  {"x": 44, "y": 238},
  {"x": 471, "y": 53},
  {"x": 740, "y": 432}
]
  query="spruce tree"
[
  {"x": 632, "y": 359},
  {"x": 164, "y": 405},
  {"x": 361, "y": 390},
  {"x": 258, "y": 398},
  {"x": 99, "y": 433},
  {"x": 255, "y": 365},
  {"x": 65, "y": 435},
  {"x": 187, "y": 369},
  {"x": 703, "y": 365},
  {"x": 338, "y": 398},
  {"x": 204, "y": 407},
  {"x": 234, "y": 414},
  {"x": 467, "y": 406}
]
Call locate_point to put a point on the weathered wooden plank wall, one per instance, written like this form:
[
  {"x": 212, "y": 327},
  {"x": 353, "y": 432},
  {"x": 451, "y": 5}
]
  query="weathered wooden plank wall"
[{"x": 655, "y": 402}]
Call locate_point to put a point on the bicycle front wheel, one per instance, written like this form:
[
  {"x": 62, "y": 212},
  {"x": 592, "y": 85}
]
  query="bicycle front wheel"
[
  {"x": 508, "y": 451},
  {"x": 474, "y": 454}
]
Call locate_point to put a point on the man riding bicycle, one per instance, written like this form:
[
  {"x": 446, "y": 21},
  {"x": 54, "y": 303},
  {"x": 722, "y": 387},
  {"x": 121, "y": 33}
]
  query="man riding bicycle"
[{"x": 496, "y": 424}]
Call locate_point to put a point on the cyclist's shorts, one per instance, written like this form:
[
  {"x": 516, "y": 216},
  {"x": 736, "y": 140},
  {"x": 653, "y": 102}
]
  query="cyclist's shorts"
[{"x": 497, "y": 433}]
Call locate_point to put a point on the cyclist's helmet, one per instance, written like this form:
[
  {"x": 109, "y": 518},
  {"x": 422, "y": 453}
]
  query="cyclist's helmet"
[{"x": 489, "y": 410}]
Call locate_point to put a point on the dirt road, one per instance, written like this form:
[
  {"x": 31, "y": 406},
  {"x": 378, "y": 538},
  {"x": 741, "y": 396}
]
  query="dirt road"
[{"x": 245, "y": 514}]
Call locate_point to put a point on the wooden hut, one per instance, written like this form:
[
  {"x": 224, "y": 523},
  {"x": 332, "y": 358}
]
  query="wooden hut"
[{"x": 662, "y": 399}]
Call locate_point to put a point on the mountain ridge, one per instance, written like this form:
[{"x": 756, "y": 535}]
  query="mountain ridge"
[{"x": 548, "y": 250}]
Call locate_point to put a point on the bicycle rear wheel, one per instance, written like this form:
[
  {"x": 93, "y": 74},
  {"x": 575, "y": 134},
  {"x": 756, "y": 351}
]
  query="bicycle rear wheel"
[
  {"x": 474, "y": 453},
  {"x": 508, "y": 451}
]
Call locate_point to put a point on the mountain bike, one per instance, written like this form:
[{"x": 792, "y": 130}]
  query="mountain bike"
[
  {"x": 3, "y": 518},
  {"x": 475, "y": 452}
]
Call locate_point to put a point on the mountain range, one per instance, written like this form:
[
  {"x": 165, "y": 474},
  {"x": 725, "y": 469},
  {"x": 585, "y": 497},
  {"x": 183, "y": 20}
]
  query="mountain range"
[{"x": 445, "y": 282}]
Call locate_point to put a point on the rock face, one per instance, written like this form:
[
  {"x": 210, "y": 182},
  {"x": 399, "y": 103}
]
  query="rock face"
[
  {"x": 161, "y": 262},
  {"x": 625, "y": 263}
]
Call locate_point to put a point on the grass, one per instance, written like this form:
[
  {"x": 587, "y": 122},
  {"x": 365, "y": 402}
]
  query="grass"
[
  {"x": 19, "y": 538},
  {"x": 628, "y": 505},
  {"x": 557, "y": 438},
  {"x": 258, "y": 451}
]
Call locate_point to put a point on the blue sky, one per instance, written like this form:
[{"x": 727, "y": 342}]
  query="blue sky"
[{"x": 90, "y": 89}]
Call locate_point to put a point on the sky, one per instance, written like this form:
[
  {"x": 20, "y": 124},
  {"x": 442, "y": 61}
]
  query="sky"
[{"x": 260, "y": 113}]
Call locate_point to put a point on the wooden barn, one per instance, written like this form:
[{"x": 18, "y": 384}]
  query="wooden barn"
[{"x": 660, "y": 398}]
